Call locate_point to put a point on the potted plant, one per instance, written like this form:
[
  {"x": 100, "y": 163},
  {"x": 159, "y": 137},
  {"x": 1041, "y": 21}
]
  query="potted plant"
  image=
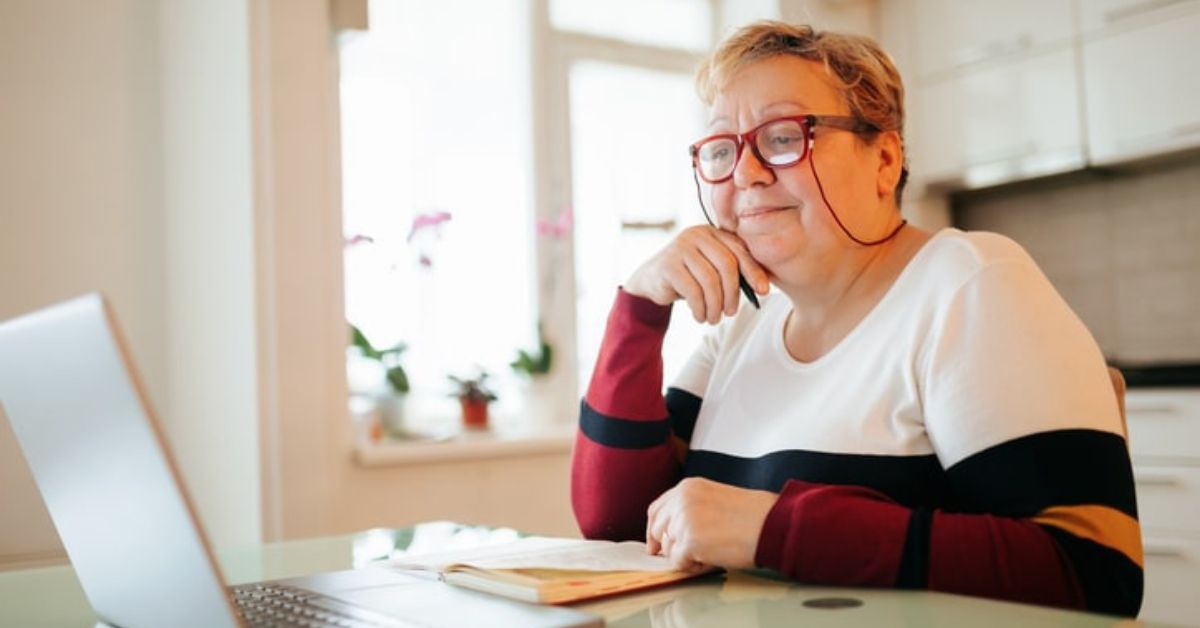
[
  {"x": 533, "y": 370},
  {"x": 474, "y": 396},
  {"x": 391, "y": 405}
]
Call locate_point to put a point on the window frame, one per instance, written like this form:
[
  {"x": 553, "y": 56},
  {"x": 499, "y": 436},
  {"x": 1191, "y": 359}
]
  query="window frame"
[{"x": 554, "y": 53}]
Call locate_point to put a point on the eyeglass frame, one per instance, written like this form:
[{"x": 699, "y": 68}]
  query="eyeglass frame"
[{"x": 750, "y": 138}]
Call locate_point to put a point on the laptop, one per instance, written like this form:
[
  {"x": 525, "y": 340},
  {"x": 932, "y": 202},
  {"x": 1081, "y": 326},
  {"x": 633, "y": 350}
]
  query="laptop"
[{"x": 97, "y": 453}]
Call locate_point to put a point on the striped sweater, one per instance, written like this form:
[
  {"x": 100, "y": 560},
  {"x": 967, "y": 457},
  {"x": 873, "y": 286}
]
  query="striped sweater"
[{"x": 964, "y": 437}]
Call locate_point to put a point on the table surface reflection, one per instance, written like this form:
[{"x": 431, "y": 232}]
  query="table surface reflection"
[{"x": 51, "y": 596}]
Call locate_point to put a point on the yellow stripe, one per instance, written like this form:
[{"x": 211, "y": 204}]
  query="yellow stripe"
[{"x": 1107, "y": 526}]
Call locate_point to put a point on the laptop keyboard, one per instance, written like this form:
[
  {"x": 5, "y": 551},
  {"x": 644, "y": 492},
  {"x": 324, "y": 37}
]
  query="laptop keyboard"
[{"x": 280, "y": 605}]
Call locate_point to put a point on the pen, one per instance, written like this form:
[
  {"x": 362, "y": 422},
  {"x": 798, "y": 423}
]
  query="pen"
[{"x": 748, "y": 291}]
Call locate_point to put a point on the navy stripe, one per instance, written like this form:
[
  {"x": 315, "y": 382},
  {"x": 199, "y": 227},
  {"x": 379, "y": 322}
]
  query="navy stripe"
[
  {"x": 914, "y": 562},
  {"x": 912, "y": 481},
  {"x": 1023, "y": 476},
  {"x": 1111, "y": 582},
  {"x": 683, "y": 407},
  {"x": 621, "y": 433}
]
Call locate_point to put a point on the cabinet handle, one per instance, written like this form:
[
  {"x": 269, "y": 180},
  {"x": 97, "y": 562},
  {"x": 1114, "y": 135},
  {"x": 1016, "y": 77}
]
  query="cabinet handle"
[
  {"x": 1157, "y": 479},
  {"x": 1000, "y": 48},
  {"x": 1124, "y": 13},
  {"x": 1163, "y": 550},
  {"x": 1165, "y": 409},
  {"x": 1185, "y": 129}
]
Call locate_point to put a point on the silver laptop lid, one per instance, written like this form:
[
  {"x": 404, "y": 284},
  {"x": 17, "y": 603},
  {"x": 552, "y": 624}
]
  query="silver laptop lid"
[{"x": 91, "y": 441}]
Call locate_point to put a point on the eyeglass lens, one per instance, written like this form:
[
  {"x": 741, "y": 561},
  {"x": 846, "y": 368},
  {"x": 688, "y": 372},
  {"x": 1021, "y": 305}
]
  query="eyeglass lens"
[{"x": 780, "y": 143}]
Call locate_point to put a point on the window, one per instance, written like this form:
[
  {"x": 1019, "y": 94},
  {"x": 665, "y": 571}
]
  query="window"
[
  {"x": 440, "y": 115},
  {"x": 437, "y": 194},
  {"x": 632, "y": 111},
  {"x": 631, "y": 180},
  {"x": 639, "y": 21}
]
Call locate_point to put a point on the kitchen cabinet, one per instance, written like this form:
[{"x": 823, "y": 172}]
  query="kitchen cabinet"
[
  {"x": 1172, "y": 569},
  {"x": 997, "y": 96},
  {"x": 1164, "y": 439},
  {"x": 996, "y": 93},
  {"x": 1142, "y": 95},
  {"x": 1010, "y": 121},
  {"x": 956, "y": 34}
]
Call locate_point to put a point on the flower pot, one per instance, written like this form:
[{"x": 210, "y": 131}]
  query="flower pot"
[
  {"x": 392, "y": 413},
  {"x": 474, "y": 413}
]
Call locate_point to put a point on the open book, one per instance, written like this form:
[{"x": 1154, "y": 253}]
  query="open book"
[{"x": 547, "y": 570}]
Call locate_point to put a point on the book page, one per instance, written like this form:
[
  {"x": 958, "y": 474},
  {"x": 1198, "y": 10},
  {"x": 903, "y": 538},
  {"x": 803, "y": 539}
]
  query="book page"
[{"x": 543, "y": 553}]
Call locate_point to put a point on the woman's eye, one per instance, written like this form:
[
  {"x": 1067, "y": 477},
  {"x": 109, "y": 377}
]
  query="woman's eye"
[{"x": 718, "y": 154}]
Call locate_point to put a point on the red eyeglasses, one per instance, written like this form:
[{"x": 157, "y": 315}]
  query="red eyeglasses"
[{"x": 777, "y": 143}]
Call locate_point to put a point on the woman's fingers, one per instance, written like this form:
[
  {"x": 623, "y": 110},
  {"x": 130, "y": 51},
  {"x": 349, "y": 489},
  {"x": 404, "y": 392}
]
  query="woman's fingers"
[
  {"x": 701, "y": 266},
  {"x": 754, "y": 273},
  {"x": 710, "y": 281},
  {"x": 725, "y": 263},
  {"x": 655, "y": 524},
  {"x": 684, "y": 284},
  {"x": 664, "y": 531}
]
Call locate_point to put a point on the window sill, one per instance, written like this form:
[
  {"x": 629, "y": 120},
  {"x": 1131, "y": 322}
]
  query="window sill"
[{"x": 497, "y": 442}]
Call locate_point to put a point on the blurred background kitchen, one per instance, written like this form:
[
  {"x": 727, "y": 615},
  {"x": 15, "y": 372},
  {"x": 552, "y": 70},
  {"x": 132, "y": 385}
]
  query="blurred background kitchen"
[{"x": 472, "y": 179}]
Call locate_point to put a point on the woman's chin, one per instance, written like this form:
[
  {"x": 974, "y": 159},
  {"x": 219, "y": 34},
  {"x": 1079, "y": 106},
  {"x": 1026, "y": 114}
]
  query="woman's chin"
[
  {"x": 770, "y": 255},
  {"x": 770, "y": 244}
]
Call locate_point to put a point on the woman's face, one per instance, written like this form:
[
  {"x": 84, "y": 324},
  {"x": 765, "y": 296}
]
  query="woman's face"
[{"x": 780, "y": 213}]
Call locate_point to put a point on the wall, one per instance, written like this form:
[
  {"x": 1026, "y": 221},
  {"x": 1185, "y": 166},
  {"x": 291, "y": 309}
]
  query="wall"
[
  {"x": 80, "y": 194},
  {"x": 124, "y": 169},
  {"x": 1121, "y": 247}
]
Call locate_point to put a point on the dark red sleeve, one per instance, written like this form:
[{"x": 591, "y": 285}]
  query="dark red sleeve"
[
  {"x": 623, "y": 457},
  {"x": 854, "y": 536}
]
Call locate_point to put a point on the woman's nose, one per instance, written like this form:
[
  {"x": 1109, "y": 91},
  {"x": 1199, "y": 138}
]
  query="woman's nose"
[{"x": 749, "y": 171}]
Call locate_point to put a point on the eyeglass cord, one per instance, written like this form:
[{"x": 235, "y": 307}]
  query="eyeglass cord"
[{"x": 812, "y": 165}]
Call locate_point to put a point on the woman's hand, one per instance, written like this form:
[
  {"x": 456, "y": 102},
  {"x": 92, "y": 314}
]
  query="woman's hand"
[
  {"x": 700, "y": 522},
  {"x": 700, "y": 266}
]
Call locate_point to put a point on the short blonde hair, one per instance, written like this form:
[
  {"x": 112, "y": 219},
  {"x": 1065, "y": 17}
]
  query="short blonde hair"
[{"x": 864, "y": 73}]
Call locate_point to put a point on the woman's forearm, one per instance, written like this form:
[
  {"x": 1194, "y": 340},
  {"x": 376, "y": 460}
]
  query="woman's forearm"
[{"x": 624, "y": 457}]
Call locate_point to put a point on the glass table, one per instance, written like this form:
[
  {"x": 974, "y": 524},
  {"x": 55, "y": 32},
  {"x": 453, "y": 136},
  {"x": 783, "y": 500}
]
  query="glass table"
[{"x": 51, "y": 596}]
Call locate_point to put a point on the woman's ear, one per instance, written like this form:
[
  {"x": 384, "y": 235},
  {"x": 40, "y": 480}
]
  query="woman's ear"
[{"x": 891, "y": 163}]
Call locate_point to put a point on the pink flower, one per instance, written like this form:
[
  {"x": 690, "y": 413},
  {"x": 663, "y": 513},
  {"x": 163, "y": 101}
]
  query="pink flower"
[
  {"x": 424, "y": 221},
  {"x": 357, "y": 239},
  {"x": 557, "y": 228}
]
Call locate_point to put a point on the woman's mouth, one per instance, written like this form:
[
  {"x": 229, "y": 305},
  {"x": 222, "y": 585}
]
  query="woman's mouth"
[{"x": 762, "y": 211}]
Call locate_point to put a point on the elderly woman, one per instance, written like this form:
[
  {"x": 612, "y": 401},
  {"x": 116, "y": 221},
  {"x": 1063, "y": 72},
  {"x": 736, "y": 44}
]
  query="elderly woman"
[{"x": 907, "y": 409}]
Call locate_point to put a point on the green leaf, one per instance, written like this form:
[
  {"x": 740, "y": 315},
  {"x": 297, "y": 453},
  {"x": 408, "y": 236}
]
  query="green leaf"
[
  {"x": 472, "y": 388},
  {"x": 358, "y": 339},
  {"x": 398, "y": 379},
  {"x": 538, "y": 364}
]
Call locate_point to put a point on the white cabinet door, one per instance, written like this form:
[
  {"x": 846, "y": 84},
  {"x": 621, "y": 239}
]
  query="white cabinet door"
[
  {"x": 1164, "y": 425},
  {"x": 1168, "y": 498},
  {"x": 1172, "y": 579},
  {"x": 1142, "y": 90},
  {"x": 959, "y": 33},
  {"x": 1001, "y": 123}
]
